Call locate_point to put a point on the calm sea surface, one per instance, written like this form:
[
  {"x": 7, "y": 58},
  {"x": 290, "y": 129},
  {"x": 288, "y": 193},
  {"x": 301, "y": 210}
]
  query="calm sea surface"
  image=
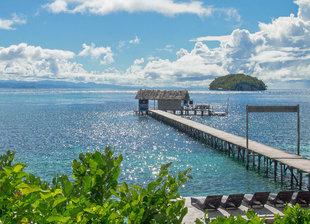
[{"x": 48, "y": 128}]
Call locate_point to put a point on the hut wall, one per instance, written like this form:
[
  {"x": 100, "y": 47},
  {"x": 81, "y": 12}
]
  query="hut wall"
[{"x": 169, "y": 104}]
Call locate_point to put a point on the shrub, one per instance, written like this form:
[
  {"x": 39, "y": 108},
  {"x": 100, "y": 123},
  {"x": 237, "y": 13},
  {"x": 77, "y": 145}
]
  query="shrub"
[{"x": 94, "y": 196}]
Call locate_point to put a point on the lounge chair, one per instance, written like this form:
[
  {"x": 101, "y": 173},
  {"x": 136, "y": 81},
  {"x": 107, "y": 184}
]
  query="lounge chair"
[
  {"x": 211, "y": 202},
  {"x": 233, "y": 201},
  {"x": 302, "y": 198},
  {"x": 258, "y": 198},
  {"x": 281, "y": 198}
]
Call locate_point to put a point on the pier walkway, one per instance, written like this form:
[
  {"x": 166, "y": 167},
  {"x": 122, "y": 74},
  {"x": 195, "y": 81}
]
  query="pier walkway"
[{"x": 235, "y": 146}]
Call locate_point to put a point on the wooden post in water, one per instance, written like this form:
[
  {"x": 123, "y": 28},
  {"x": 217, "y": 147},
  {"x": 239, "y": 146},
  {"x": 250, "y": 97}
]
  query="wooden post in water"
[
  {"x": 300, "y": 180},
  {"x": 281, "y": 172},
  {"x": 275, "y": 163},
  {"x": 247, "y": 138},
  {"x": 292, "y": 177},
  {"x": 298, "y": 131}
]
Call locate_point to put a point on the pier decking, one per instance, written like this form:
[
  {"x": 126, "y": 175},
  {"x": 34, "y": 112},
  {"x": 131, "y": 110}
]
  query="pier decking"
[{"x": 236, "y": 146}]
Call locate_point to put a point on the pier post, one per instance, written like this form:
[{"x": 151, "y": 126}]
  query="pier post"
[
  {"x": 281, "y": 166},
  {"x": 300, "y": 180},
  {"x": 258, "y": 162},
  {"x": 298, "y": 131},
  {"x": 292, "y": 177},
  {"x": 308, "y": 181},
  {"x": 253, "y": 155},
  {"x": 247, "y": 138},
  {"x": 275, "y": 170}
]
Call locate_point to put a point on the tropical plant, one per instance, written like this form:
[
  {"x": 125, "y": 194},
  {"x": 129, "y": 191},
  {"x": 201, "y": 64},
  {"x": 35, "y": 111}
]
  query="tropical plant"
[{"x": 94, "y": 195}]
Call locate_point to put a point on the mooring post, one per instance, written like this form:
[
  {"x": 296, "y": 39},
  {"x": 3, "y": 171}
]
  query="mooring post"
[{"x": 247, "y": 138}]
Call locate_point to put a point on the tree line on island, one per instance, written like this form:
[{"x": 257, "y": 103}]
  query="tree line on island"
[{"x": 237, "y": 82}]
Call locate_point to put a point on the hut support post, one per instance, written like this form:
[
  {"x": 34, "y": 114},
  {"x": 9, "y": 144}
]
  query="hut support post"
[
  {"x": 300, "y": 180},
  {"x": 292, "y": 177},
  {"x": 275, "y": 169}
]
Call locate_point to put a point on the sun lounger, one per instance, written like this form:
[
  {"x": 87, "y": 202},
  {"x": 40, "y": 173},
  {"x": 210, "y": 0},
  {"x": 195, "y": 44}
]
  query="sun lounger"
[
  {"x": 281, "y": 198},
  {"x": 258, "y": 198},
  {"x": 302, "y": 198},
  {"x": 233, "y": 201},
  {"x": 211, "y": 202}
]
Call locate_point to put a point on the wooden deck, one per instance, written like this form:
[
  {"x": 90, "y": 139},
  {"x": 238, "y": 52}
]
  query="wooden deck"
[{"x": 292, "y": 161}]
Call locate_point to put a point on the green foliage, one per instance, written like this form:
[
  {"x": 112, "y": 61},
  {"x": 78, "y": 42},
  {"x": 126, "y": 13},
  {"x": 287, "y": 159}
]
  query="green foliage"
[
  {"x": 293, "y": 215},
  {"x": 239, "y": 82},
  {"x": 251, "y": 215},
  {"x": 94, "y": 196}
]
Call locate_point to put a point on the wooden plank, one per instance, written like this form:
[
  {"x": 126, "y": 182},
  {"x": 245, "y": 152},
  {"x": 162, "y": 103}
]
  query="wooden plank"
[
  {"x": 291, "y": 160},
  {"x": 272, "y": 108}
]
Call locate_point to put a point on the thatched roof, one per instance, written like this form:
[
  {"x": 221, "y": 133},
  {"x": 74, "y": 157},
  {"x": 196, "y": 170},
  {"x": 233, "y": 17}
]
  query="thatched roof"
[{"x": 144, "y": 94}]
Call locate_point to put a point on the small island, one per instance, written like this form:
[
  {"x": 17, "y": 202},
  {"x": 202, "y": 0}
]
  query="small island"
[{"x": 237, "y": 82}]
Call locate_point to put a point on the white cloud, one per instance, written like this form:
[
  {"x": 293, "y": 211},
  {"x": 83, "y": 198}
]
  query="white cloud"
[
  {"x": 165, "y": 7},
  {"x": 304, "y": 9},
  {"x": 105, "y": 54},
  {"x": 32, "y": 63},
  {"x": 167, "y": 48},
  {"x": 123, "y": 43},
  {"x": 7, "y": 24},
  {"x": 211, "y": 38},
  {"x": 135, "y": 41}
]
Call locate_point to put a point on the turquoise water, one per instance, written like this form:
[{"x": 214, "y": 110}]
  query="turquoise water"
[{"x": 48, "y": 128}]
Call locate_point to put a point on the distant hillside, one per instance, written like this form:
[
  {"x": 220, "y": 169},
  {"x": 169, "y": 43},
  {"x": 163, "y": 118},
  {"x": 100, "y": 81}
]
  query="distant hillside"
[
  {"x": 238, "y": 82},
  {"x": 11, "y": 84}
]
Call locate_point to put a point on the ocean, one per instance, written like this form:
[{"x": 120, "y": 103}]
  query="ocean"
[{"x": 48, "y": 128}]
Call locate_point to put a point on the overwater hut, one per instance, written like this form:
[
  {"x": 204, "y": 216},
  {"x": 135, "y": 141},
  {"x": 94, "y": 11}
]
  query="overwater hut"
[{"x": 166, "y": 99}]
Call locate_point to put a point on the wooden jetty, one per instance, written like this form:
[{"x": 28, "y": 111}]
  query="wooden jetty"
[{"x": 273, "y": 159}]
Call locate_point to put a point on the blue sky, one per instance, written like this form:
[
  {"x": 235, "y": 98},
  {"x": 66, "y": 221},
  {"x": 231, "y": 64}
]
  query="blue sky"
[{"x": 155, "y": 43}]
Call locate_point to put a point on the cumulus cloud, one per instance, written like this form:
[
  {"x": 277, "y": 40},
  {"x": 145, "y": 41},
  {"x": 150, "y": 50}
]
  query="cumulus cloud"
[
  {"x": 25, "y": 62},
  {"x": 7, "y": 24},
  {"x": 105, "y": 54},
  {"x": 165, "y": 7}
]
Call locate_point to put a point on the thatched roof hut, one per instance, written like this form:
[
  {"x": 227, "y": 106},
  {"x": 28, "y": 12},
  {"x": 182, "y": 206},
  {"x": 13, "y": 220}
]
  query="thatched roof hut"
[{"x": 144, "y": 94}]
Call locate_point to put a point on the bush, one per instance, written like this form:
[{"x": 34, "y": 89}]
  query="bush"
[
  {"x": 292, "y": 215},
  {"x": 94, "y": 195}
]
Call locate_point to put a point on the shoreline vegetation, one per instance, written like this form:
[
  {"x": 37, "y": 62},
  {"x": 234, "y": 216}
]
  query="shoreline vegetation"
[
  {"x": 237, "y": 82},
  {"x": 95, "y": 196}
]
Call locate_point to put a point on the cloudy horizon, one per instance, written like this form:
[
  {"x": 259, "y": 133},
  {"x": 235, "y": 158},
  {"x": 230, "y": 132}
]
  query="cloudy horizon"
[{"x": 154, "y": 43}]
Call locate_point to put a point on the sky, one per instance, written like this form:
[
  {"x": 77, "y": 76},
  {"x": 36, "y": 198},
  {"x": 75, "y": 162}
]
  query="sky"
[{"x": 158, "y": 43}]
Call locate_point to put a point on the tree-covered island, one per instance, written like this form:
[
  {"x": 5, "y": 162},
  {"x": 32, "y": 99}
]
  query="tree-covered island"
[{"x": 237, "y": 82}]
